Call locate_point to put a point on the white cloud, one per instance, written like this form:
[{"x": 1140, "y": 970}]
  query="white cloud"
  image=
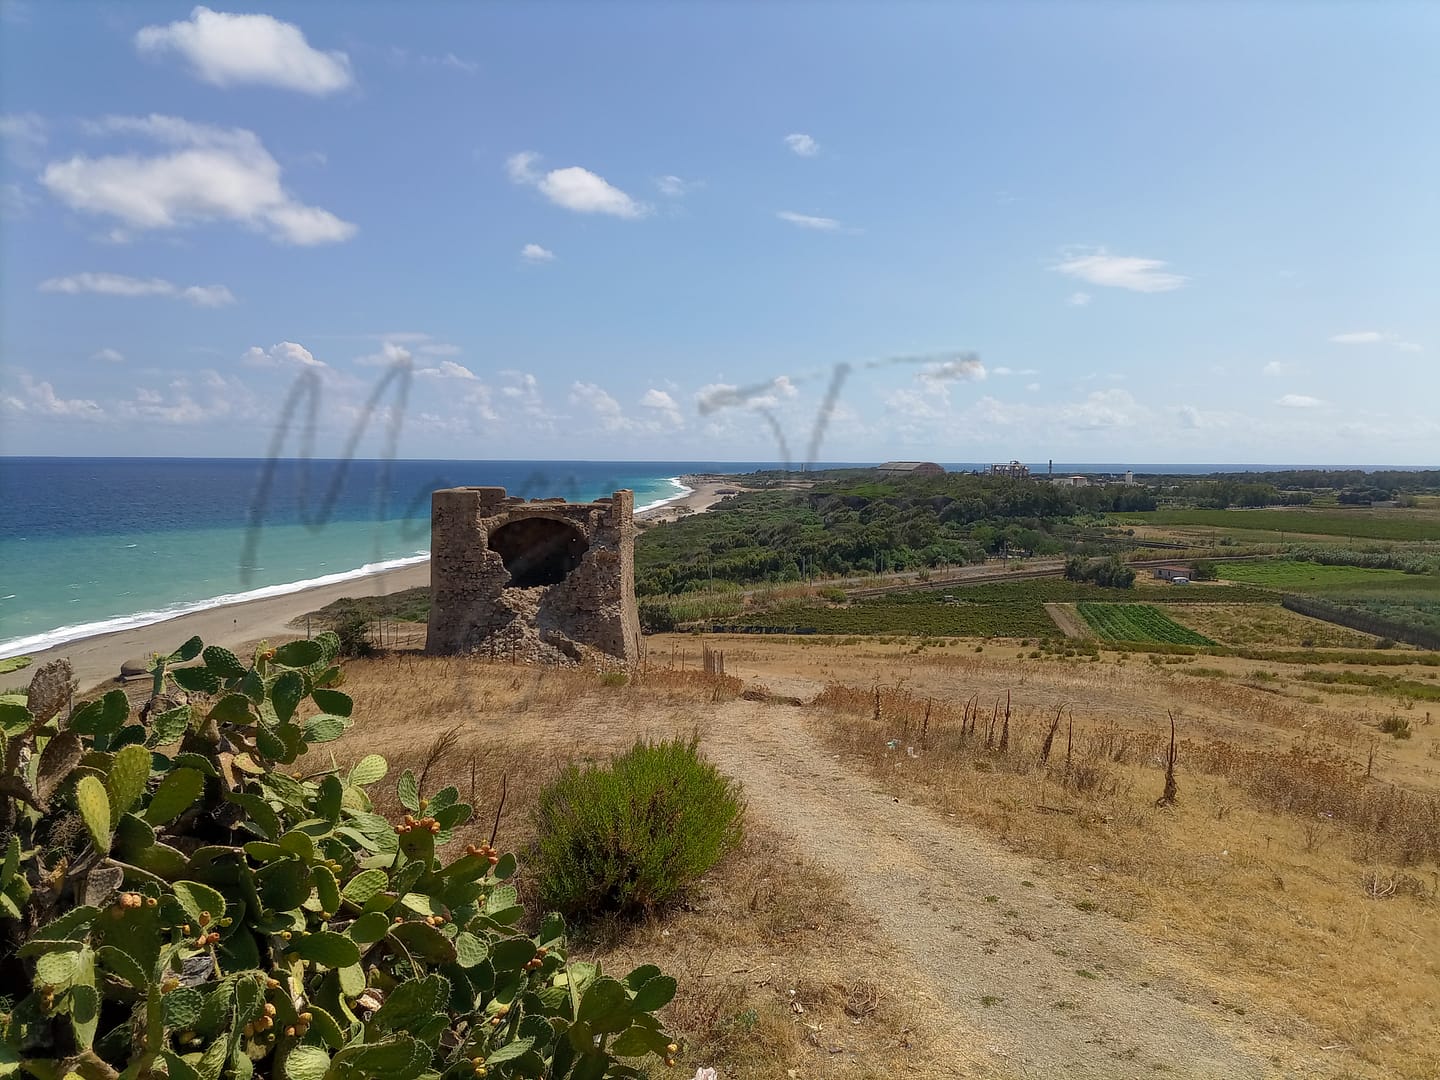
[
  {"x": 121, "y": 285},
  {"x": 673, "y": 187},
  {"x": 1032, "y": 387},
  {"x": 808, "y": 221},
  {"x": 214, "y": 174},
  {"x": 714, "y": 396},
  {"x": 390, "y": 353},
  {"x": 1375, "y": 337},
  {"x": 1078, "y": 299},
  {"x": 1278, "y": 368},
  {"x": 1120, "y": 271},
  {"x": 664, "y": 405},
  {"x": 182, "y": 403},
  {"x": 534, "y": 253},
  {"x": 109, "y": 356},
  {"x": 231, "y": 50},
  {"x": 967, "y": 368},
  {"x": 40, "y": 399},
  {"x": 522, "y": 390},
  {"x": 450, "y": 60},
  {"x": 286, "y": 353},
  {"x": 802, "y": 144},
  {"x": 573, "y": 188},
  {"x": 1298, "y": 401},
  {"x": 1003, "y": 371},
  {"x": 448, "y": 369},
  {"x": 606, "y": 409}
]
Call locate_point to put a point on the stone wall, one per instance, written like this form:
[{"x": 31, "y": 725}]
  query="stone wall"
[{"x": 539, "y": 580}]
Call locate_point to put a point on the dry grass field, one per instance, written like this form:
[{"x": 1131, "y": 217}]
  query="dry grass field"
[{"x": 910, "y": 901}]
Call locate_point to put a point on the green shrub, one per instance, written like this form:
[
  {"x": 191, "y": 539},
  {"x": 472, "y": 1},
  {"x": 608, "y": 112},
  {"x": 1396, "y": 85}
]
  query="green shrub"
[
  {"x": 353, "y": 632},
  {"x": 631, "y": 835},
  {"x": 174, "y": 903}
]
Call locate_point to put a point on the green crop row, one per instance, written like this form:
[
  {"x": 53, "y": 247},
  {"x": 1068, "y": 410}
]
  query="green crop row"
[{"x": 1137, "y": 622}]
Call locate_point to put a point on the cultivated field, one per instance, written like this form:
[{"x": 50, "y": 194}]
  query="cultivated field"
[
  {"x": 1365, "y": 523},
  {"x": 1137, "y": 622},
  {"x": 1292, "y": 576}
]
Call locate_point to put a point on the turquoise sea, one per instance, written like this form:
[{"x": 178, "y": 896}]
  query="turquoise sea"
[{"x": 93, "y": 545}]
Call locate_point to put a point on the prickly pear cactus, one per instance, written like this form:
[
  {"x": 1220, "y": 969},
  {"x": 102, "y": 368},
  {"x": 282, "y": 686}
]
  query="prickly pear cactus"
[{"x": 174, "y": 903}]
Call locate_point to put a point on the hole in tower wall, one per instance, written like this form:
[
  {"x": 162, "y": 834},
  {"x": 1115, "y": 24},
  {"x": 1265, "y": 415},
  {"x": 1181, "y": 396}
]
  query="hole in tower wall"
[{"x": 538, "y": 551}]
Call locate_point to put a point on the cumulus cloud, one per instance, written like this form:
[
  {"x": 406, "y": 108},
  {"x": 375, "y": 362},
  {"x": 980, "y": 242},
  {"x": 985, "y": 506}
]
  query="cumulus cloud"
[
  {"x": 1078, "y": 299},
  {"x": 109, "y": 356},
  {"x": 1098, "y": 267},
  {"x": 534, "y": 253},
  {"x": 232, "y": 50},
  {"x": 522, "y": 391},
  {"x": 38, "y": 398},
  {"x": 664, "y": 406},
  {"x": 573, "y": 188},
  {"x": 389, "y": 353},
  {"x": 1298, "y": 401},
  {"x": 802, "y": 144},
  {"x": 1278, "y": 368},
  {"x": 606, "y": 409},
  {"x": 285, "y": 354},
  {"x": 714, "y": 396},
  {"x": 212, "y": 174},
  {"x": 1375, "y": 337},
  {"x": 1003, "y": 371},
  {"x": 808, "y": 221},
  {"x": 966, "y": 367},
  {"x": 448, "y": 369},
  {"x": 121, "y": 285}
]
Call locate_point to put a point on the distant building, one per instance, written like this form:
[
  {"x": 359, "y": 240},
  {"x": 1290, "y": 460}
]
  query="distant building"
[
  {"x": 1181, "y": 574},
  {"x": 1014, "y": 470},
  {"x": 1070, "y": 481},
  {"x": 1129, "y": 476},
  {"x": 910, "y": 468}
]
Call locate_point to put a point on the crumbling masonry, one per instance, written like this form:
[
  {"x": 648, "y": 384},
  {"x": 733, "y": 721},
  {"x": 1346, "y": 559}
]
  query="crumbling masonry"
[{"x": 540, "y": 580}]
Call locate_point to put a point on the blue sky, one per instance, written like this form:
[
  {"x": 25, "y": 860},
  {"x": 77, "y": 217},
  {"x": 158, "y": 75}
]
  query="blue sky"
[{"x": 1088, "y": 232}]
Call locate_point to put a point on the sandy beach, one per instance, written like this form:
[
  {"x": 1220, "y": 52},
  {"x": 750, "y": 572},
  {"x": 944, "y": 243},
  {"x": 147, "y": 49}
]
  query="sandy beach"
[
  {"x": 97, "y": 659},
  {"x": 705, "y": 492}
]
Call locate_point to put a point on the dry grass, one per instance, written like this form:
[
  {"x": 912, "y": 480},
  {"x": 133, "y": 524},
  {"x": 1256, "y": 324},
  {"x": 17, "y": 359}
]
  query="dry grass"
[
  {"x": 1285, "y": 877},
  {"x": 1266, "y": 625},
  {"x": 776, "y": 969}
]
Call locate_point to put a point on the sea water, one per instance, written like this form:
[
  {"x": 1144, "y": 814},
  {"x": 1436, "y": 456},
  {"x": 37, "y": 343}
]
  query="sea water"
[{"x": 89, "y": 545}]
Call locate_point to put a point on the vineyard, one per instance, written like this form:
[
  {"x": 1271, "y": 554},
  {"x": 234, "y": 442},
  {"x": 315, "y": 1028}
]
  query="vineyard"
[{"x": 1137, "y": 622}]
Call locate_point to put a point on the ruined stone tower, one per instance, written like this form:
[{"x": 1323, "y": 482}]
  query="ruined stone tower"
[{"x": 538, "y": 580}]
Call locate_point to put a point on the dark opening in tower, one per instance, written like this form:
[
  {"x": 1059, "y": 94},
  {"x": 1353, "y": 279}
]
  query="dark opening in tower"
[{"x": 538, "y": 551}]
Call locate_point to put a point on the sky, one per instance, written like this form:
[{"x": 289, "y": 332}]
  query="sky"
[{"x": 1106, "y": 232}]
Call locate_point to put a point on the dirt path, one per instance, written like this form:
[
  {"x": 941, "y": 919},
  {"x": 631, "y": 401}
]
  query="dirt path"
[
  {"x": 1068, "y": 620},
  {"x": 1048, "y": 990}
]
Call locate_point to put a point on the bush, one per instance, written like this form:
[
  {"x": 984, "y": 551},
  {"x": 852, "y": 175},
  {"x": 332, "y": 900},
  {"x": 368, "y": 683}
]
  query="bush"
[
  {"x": 175, "y": 903},
  {"x": 353, "y": 632},
  {"x": 633, "y": 834},
  {"x": 1396, "y": 726}
]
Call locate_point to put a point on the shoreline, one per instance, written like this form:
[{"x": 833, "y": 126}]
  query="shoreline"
[{"x": 242, "y": 623}]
